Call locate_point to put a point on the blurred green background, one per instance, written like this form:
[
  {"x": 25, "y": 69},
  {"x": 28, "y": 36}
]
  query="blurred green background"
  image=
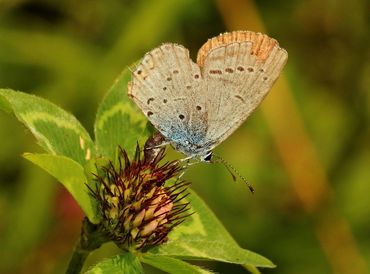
[{"x": 306, "y": 150}]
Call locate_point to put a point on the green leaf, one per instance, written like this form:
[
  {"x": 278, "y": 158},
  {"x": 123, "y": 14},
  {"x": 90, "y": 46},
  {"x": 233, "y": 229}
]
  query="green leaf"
[
  {"x": 126, "y": 263},
  {"x": 72, "y": 175},
  {"x": 4, "y": 105},
  {"x": 202, "y": 236},
  {"x": 172, "y": 265},
  {"x": 119, "y": 121},
  {"x": 57, "y": 131}
]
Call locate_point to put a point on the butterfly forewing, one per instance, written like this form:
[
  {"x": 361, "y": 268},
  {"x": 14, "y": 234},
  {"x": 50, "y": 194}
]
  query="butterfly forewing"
[{"x": 164, "y": 86}]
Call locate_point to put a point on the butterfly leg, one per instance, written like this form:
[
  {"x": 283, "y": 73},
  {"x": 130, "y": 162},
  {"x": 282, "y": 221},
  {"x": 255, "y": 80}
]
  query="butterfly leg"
[
  {"x": 186, "y": 165},
  {"x": 187, "y": 159},
  {"x": 157, "y": 146}
]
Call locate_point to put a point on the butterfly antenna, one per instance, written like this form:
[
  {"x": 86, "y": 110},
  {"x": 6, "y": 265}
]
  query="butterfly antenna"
[{"x": 231, "y": 169}]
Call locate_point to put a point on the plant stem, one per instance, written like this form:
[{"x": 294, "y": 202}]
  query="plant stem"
[
  {"x": 90, "y": 239},
  {"x": 78, "y": 259}
]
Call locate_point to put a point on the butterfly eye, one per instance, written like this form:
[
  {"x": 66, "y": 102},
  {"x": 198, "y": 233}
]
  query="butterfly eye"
[
  {"x": 198, "y": 107},
  {"x": 208, "y": 157},
  {"x": 250, "y": 69},
  {"x": 181, "y": 116}
]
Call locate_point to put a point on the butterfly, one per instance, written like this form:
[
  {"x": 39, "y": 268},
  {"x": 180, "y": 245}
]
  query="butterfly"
[{"x": 196, "y": 106}]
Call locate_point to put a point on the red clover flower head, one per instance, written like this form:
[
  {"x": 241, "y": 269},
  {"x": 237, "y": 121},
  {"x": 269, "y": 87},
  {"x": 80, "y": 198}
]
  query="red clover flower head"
[{"x": 137, "y": 203}]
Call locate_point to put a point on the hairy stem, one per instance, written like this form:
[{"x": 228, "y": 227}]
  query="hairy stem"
[{"x": 90, "y": 239}]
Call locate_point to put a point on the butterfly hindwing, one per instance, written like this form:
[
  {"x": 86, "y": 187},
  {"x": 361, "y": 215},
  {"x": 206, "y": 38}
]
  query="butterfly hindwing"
[{"x": 238, "y": 75}]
